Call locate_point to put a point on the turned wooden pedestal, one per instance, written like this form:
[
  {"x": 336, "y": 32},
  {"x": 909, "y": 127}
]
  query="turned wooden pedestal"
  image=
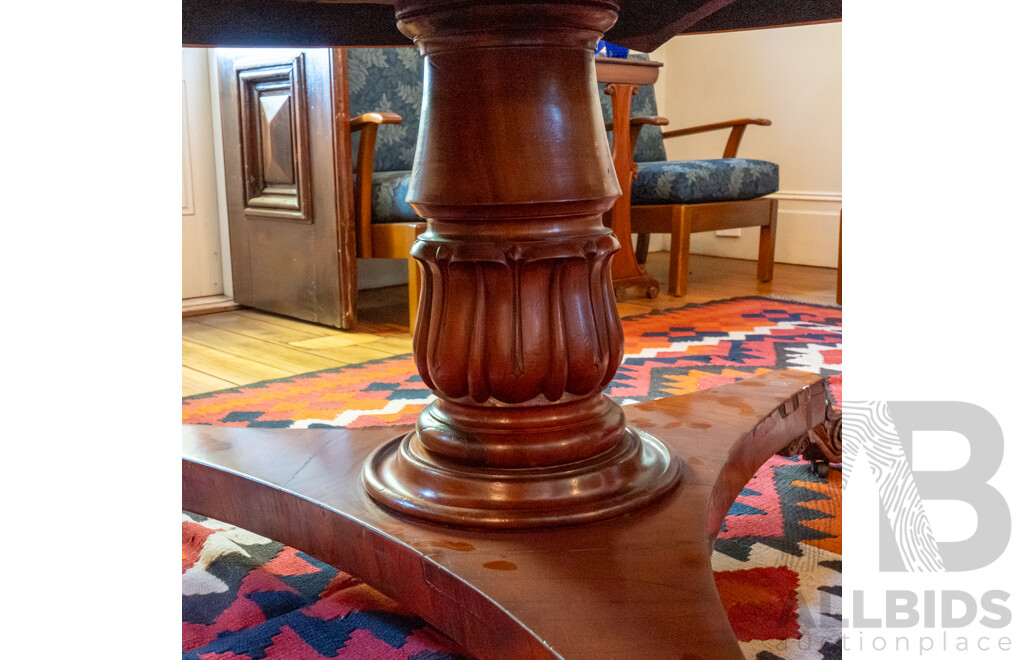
[{"x": 517, "y": 332}]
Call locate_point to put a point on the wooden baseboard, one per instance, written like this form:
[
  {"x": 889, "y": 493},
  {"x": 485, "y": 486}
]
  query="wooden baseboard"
[{"x": 207, "y": 305}]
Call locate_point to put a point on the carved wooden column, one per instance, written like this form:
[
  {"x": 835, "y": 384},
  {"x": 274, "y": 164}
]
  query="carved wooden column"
[{"x": 517, "y": 332}]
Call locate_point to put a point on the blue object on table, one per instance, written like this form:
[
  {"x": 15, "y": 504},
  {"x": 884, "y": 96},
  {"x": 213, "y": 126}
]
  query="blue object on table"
[{"x": 611, "y": 50}]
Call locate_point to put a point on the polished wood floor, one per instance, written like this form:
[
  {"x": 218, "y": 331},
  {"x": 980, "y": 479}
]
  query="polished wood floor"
[{"x": 228, "y": 349}]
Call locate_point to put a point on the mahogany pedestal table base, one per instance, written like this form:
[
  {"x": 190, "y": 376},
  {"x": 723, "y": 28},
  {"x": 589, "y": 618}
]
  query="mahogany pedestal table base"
[{"x": 636, "y": 585}]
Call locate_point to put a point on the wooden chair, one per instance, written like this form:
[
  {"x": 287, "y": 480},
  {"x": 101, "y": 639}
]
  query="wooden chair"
[
  {"x": 684, "y": 197},
  {"x": 385, "y": 92}
]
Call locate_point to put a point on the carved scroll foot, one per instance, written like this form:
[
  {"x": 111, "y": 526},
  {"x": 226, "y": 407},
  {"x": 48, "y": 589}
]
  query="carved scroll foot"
[{"x": 822, "y": 445}]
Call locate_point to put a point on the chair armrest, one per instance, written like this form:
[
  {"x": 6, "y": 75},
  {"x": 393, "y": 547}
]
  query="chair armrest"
[
  {"x": 367, "y": 125},
  {"x": 375, "y": 118},
  {"x": 635, "y": 124},
  {"x": 737, "y": 126},
  {"x": 641, "y": 121}
]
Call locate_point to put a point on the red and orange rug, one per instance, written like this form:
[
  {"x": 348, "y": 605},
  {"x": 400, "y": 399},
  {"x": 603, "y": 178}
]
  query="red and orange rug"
[{"x": 778, "y": 557}]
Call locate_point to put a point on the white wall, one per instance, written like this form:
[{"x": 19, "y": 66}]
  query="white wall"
[
  {"x": 792, "y": 76},
  {"x": 200, "y": 218}
]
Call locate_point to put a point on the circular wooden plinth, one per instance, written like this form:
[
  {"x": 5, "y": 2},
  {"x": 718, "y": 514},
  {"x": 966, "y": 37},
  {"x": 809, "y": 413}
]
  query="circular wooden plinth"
[{"x": 402, "y": 476}]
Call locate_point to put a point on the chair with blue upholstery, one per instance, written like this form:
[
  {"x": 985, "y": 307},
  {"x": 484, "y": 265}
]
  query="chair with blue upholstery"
[
  {"x": 684, "y": 197},
  {"x": 385, "y": 87}
]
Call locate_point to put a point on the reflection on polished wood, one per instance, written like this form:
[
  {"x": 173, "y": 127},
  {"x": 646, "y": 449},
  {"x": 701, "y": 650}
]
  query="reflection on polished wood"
[{"x": 634, "y": 586}]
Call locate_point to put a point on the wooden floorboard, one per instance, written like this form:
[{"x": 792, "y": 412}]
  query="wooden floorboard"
[
  {"x": 197, "y": 382},
  {"x": 236, "y": 369},
  {"x": 270, "y": 353},
  {"x": 259, "y": 325},
  {"x": 233, "y": 348}
]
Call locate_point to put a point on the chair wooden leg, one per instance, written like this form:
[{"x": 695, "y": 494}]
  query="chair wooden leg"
[
  {"x": 766, "y": 250},
  {"x": 679, "y": 257},
  {"x": 643, "y": 243},
  {"x": 394, "y": 240}
]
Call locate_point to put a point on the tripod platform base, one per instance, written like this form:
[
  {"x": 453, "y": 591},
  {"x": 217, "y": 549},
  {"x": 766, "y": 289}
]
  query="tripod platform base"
[{"x": 636, "y": 585}]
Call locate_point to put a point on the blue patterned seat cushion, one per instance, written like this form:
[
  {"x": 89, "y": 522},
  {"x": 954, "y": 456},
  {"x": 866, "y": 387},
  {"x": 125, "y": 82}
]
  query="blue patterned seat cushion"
[
  {"x": 704, "y": 181},
  {"x": 692, "y": 181},
  {"x": 388, "y": 191}
]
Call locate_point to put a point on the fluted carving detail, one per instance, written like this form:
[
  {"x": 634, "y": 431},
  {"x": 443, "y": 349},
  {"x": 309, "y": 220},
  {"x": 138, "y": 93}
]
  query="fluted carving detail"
[{"x": 517, "y": 322}]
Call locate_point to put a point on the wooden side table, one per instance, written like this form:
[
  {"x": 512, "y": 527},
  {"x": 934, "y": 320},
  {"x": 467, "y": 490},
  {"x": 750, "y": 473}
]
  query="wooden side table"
[{"x": 622, "y": 77}]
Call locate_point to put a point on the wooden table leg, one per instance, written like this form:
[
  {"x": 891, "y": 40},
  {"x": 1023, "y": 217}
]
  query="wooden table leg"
[
  {"x": 637, "y": 585},
  {"x": 518, "y": 334}
]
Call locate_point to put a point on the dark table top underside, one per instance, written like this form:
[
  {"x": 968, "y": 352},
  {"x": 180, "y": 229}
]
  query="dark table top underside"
[{"x": 643, "y": 24}]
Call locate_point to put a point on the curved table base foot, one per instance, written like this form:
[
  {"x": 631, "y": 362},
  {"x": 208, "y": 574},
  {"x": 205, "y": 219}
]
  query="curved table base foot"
[{"x": 638, "y": 585}]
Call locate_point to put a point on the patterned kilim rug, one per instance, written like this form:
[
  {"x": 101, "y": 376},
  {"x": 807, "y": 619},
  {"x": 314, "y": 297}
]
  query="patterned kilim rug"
[{"x": 777, "y": 559}]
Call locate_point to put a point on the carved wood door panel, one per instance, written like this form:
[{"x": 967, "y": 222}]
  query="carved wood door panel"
[{"x": 289, "y": 182}]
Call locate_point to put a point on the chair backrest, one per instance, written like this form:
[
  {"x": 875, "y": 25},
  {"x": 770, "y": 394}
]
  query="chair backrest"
[
  {"x": 391, "y": 80},
  {"x": 649, "y": 145},
  {"x": 387, "y": 80}
]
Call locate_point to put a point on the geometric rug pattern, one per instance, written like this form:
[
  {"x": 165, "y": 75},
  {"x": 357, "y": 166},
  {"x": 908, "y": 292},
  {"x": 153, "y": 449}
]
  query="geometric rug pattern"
[
  {"x": 777, "y": 558},
  {"x": 667, "y": 352}
]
